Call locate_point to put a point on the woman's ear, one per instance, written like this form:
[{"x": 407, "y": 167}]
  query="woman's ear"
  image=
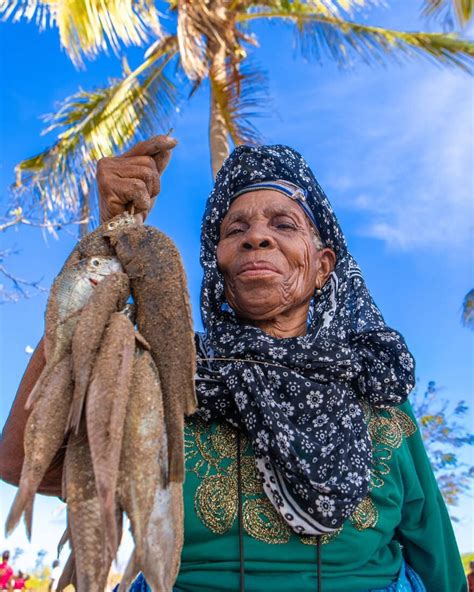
[{"x": 327, "y": 261}]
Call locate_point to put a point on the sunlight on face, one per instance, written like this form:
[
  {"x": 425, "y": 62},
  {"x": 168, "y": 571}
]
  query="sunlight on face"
[{"x": 268, "y": 256}]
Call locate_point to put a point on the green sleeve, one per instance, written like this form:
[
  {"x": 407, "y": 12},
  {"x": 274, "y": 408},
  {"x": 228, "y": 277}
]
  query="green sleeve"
[{"x": 425, "y": 531}]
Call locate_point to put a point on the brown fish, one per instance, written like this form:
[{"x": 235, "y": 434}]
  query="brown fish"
[
  {"x": 164, "y": 538},
  {"x": 109, "y": 296},
  {"x": 71, "y": 290},
  {"x": 162, "y": 544},
  {"x": 68, "y": 575},
  {"x": 158, "y": 285},
  {"x": 44, "y": 434},
  {"x": 95, "y": 244},
  {"x": 144, "y": 449},
  {"x": 106, "y": 405},
  {"x": 92, "y": 557}
]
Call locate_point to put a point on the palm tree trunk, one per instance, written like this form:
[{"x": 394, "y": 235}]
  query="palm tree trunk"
[{"x": 218, "y": 136}]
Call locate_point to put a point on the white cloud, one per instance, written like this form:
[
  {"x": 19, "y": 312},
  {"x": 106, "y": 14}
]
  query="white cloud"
[{"x": 412, "y": 173}]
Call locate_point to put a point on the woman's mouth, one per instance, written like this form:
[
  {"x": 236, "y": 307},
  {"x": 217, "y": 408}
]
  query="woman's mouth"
[{"x": 257, "y": 269}]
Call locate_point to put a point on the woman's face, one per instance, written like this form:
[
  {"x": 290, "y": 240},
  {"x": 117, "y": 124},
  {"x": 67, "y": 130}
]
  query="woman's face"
[{"x": 268, "y": 256}]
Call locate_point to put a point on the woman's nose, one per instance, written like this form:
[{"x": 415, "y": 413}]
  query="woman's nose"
[
  {"x": 263, "y": 244},
  {"x": 257, "y": 237}
]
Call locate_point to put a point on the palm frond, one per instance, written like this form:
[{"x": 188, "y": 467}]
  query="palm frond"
[
  {"x": 342, "y": 39},
  {"x": 192, "y": 45},
  {"x": 241, "y": 95},
  {"x": 94, "y": 124},
  {"x": 87, "y": 27},
  {"x": 463, "y": 10},
  {"x": 334, "y": 8}
]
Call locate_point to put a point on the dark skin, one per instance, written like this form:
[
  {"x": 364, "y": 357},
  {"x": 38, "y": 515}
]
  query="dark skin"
[
  {"x": 270, "y": 262},
  {"x": 267, "y": 254}
]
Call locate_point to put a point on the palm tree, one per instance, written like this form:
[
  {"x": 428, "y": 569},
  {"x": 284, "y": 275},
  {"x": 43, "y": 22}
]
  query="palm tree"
[{"x": 210, "y": 42}]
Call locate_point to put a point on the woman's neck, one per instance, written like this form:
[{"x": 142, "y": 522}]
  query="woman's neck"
[{"x": 287, "y": 324}]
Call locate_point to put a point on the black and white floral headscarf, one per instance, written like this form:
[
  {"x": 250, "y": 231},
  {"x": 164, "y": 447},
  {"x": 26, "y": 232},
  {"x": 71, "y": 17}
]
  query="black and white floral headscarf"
[{"x": 299, "y": 398}]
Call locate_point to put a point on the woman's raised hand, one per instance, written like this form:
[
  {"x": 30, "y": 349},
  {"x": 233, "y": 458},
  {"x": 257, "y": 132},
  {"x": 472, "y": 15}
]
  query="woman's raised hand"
[{"x": 133, "y": 178}]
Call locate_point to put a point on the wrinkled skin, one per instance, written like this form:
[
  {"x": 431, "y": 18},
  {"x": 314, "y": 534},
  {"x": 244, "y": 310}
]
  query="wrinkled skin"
[
  {"x": 109, "y": 296},
  {"x": 158, "y": 285},
  {"x": 133, "y": 178},
  {"x": 44, "y": 435},
  {"x": 270, "y": 262},
  {"x": 106, "y": 405}
]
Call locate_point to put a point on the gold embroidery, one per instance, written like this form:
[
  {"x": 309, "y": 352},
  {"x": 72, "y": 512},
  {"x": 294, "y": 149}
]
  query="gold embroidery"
[
  {"x": 366, "y": 514},
  {"x": 262, "y": 521},
  {"x": 216, "y": 503},
  {"x": 325, "y": 538},
  {"x": 211, "y": 454}
]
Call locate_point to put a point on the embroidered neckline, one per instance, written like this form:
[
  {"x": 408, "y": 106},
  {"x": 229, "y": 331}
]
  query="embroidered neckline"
[{"x": 211, "y": 451}]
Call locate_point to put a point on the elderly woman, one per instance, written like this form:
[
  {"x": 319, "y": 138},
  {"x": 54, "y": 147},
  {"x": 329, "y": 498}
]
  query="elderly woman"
[{"x": 304, "y": 466}]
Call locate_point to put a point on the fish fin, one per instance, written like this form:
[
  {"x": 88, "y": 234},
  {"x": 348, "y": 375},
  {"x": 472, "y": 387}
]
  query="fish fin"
[
  {"x": 21, "y": 504},
  {"x": 129, "y": 574},
  {"x": 142, "y": 341},
  {"x": 77, "y": 406},
  {"x": 37, "y": 389},
  {"x": 68, "y": 574},
  {"x": 63, "y": 540}
]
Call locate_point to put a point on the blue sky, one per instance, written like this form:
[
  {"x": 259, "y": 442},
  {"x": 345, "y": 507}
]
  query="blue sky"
[{"x": 391, "y": 146}]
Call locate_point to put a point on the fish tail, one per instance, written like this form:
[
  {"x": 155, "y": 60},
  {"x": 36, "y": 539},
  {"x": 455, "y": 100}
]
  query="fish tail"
[
  {"x": 129, "y": 574},
  {"x": 63, "y": 540},
  {"x": 28, "y": 518},
  {"x": 23, "y": 503},
  {"x": 68, "y": 575}
]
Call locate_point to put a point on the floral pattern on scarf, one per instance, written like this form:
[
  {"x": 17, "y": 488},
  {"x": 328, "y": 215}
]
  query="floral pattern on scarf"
[{"x": 299, "y": 398}]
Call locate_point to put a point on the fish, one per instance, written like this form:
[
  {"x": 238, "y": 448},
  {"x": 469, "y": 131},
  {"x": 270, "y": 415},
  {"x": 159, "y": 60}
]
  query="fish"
[
  {"x": 96, "y": 244},
  {"x": 164, "y": 538},
  {"x": 106, "y": 406},
  {"x": 68, "y": 575},
  {"x": 92, "y": 556},
  {"x": 144, "y": 455},
  {"x": 158, "y": 285},
  {"x": 71, "y": 290},
  {"x": 109, "y": 296},
  {"x": 44, "y": 435}
]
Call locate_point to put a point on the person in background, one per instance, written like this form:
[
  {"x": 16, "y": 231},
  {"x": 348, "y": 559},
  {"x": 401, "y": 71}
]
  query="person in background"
[
  {"x": 470, "y": 577},
  {"x": 54, "y": 577},
  {"x": 20, "y": 581},
  {"x": 6, "y": 572}
]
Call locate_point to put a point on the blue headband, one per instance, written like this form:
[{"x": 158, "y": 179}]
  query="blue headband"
[{"x": 297, "y": 194}]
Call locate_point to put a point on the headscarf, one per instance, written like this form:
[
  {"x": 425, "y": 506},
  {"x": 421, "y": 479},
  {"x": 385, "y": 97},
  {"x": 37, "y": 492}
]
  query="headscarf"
[{"x": 299, "y": 398}]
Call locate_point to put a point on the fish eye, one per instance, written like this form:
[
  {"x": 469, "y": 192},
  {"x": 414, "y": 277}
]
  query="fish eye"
[{"x": 95, "y": 262}]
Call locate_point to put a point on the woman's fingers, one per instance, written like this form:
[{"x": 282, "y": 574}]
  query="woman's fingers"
[
  {"x": 123, "y": 193},
  {"x": 148, "y": 174},
  {"x": 133, "y": 178}
]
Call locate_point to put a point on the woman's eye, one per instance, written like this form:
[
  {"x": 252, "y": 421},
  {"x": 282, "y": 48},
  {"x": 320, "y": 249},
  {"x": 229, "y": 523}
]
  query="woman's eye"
[
  {"x": 285, "y": 226},
  {"x": 234, "y": 231}
]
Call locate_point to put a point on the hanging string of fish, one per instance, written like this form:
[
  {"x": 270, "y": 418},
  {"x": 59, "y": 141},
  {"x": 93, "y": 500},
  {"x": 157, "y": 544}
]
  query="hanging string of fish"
[{"x": 118, "y": 380}]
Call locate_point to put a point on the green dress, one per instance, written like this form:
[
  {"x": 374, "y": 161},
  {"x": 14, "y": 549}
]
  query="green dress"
[{"x": 403, "y": 516}]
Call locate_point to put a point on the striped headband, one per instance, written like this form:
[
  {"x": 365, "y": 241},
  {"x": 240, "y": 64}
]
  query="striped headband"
[{"x": 297, "y": 194}]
